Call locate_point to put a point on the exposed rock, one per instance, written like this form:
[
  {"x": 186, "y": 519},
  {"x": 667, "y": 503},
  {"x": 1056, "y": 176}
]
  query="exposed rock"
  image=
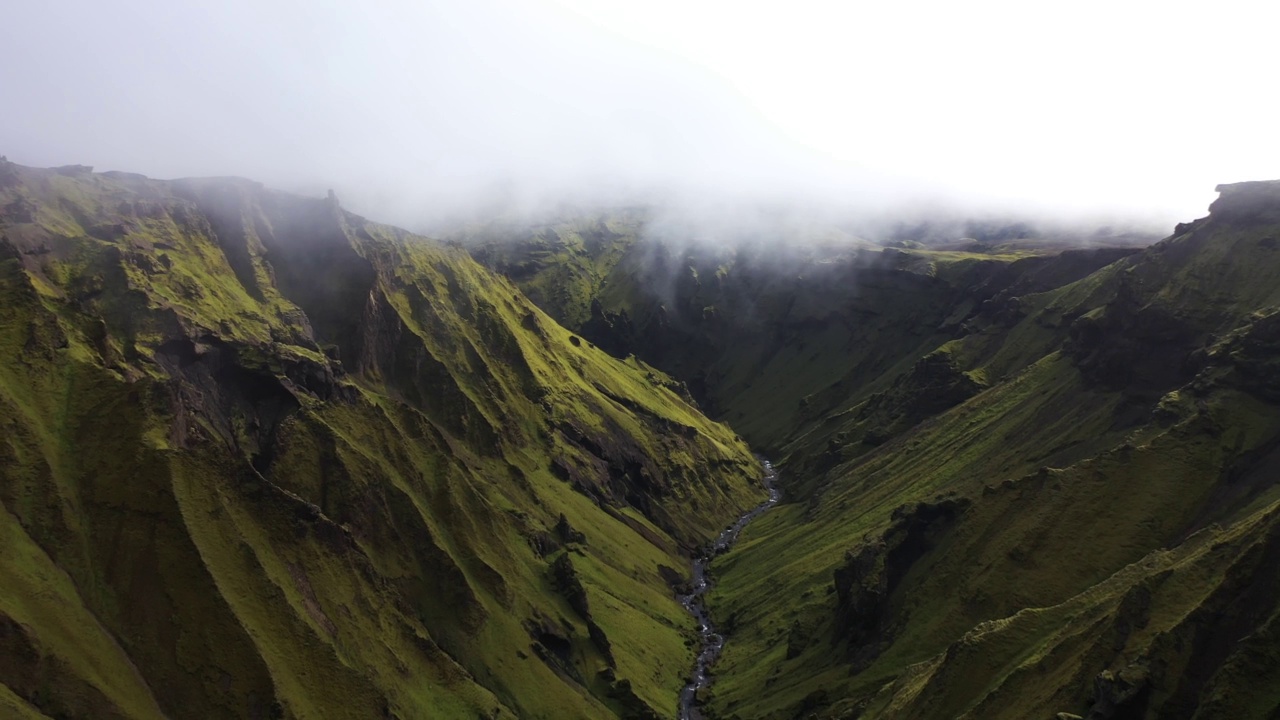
[
  {"x": 1122, "y": 694},
  {"x": 932, "y": 386},
  {"x": 1254, "y": 354},
  {"x": 1139, "y": 345},
  {"x": 1247, "y": 202},
  {"x": 873, "y": 571},
  {"x": 565, "y": 579},
  {"x": 565, "y": 532},
  {"x": 633, "y": 708}
]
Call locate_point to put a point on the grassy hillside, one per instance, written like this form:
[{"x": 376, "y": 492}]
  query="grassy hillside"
[
  {"x": 1021, "y": 481},
  {"x": 773, "y": 335},
  {"x": 1088, "y": 532},
  {"x": 264, "y": 458}
]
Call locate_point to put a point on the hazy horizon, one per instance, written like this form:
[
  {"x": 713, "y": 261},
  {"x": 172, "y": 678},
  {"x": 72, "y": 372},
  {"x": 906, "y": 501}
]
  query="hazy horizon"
[{"x": 417, "y": 111}]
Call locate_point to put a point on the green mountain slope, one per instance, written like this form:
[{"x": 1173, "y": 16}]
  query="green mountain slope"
[
  {"x": 1089, "y": 532},
  {"x": 264, "y": 458},
  {"x": 772, "y": 335},
  {"x": 1018, "y": 483}
]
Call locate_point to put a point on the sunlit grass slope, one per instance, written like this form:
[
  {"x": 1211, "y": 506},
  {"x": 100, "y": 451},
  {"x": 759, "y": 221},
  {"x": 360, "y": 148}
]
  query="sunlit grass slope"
[{"x": 260, "y": 457}]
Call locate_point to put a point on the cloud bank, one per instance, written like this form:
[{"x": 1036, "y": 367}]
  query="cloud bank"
[{"x": 414, "y": 110}]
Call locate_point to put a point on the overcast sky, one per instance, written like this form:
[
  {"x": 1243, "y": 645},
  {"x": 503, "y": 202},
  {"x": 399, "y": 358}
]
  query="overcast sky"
[{"x": 1140, "y": 106}]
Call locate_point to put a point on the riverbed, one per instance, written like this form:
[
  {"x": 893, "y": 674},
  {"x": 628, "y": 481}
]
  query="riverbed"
[{"x": 711, "y": 641}]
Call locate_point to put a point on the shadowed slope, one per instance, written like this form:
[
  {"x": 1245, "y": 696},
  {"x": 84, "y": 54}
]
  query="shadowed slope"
[{"x": 1088, "y": 533}]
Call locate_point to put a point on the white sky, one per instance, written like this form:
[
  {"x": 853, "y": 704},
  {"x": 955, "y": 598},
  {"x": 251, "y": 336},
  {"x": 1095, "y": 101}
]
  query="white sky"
[{"x": 1138, "y": 106}]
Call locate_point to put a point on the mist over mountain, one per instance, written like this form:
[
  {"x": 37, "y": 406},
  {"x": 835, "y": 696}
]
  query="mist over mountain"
[
  {"x": 577, "y": 359},
  {"x": 419, "y": 111},
  {"x": 1012, "y": 480},
  {"x": 1019, "y": 476}
]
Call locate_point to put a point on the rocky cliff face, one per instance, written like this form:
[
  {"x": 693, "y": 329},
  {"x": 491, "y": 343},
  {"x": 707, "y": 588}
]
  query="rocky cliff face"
[{"x": 264, "y": 458}]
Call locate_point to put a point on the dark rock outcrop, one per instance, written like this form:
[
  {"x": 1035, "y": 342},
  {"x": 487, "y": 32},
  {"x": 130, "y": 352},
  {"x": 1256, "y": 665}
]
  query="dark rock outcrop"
[{"x": 871, "y": 573}]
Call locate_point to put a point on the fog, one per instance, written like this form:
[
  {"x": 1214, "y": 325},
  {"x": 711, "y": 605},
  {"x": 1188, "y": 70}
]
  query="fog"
[{"x": 424, "y": 112}]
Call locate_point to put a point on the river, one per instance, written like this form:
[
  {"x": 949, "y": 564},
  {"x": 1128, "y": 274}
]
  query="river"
[{"x": 713, "y": 642}]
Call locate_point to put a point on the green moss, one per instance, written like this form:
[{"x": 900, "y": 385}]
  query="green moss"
[
  {"x": 273, "y": 528},
  {"x": 73, "y": 665},
  {"x": 1075, "y": 475}
]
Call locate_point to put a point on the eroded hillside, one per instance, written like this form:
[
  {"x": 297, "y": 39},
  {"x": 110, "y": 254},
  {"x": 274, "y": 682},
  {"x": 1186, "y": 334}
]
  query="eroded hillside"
[
  {"x": 774, "y": 334},
  {"x": 264, "y": 458},
  {"x": 1088, "y": 533},
  {"x": 1017, "y": 485}
]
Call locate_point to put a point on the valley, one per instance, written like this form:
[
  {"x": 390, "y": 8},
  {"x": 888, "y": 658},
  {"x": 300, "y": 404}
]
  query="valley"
[
  {"x": 263, "y": 457},
  {"x": 712, "y": 642},
  {"x": 1021, "y": 483}
]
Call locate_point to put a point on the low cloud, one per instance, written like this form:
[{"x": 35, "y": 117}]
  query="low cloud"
[{"x": 430, "y": 113}]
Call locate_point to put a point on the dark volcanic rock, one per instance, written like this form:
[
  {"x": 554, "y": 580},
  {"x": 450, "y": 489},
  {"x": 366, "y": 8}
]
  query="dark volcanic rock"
[
  {"x": 872, "y": 571},
  {"x": 1248, "y": 202}
]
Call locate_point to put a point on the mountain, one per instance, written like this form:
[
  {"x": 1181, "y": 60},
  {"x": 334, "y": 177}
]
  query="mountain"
[
  {"x": 770, "y": 333},
  {"x": 261, "y": 457},
  {"x": 1020, "y": 482}
]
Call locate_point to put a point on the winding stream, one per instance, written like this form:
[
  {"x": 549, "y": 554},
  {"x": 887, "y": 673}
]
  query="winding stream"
[{"x": 712, "y": 641}]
